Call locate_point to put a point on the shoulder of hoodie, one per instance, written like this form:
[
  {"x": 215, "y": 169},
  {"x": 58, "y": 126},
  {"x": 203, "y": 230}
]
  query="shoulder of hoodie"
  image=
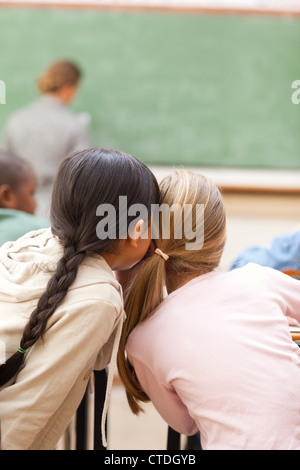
[{"x": 94, "y": 281}]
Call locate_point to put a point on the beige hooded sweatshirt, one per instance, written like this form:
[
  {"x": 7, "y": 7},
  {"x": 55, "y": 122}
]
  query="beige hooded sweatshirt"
[{"x": 82, "y": 335}]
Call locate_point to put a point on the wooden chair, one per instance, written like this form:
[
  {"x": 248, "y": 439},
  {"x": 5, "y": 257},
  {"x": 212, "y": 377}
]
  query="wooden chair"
[
  {"x": 292, "y": 272},
  {"x": 295, "y": 334}
]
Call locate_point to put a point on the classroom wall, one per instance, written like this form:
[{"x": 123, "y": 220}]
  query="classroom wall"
[{"x": 173, "y": 89}]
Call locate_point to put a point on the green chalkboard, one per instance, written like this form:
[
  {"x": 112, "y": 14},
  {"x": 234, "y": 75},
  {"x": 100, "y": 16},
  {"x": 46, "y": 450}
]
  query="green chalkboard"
[{"x": 200, "y": 90}]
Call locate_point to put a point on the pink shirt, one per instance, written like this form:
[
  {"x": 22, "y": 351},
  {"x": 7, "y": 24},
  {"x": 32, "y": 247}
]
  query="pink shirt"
[{"x": 217, "y": 356}]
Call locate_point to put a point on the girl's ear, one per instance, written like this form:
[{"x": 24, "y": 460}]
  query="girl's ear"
[{"x": 137, "y": 231}]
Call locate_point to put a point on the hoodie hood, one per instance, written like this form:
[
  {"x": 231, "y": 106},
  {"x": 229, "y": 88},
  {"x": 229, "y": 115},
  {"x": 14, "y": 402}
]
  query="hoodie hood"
[{"x": 27, "y": 264}]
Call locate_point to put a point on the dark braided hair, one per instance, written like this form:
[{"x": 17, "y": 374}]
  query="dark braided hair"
[{"x": 84, "y": 181}]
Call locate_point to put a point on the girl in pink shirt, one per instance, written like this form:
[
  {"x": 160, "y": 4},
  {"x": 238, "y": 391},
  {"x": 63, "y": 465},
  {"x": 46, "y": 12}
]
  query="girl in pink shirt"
[{"x": 216, "y": 354}]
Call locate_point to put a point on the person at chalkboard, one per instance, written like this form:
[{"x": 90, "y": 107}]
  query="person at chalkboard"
[{"x": 46, "y": 131}]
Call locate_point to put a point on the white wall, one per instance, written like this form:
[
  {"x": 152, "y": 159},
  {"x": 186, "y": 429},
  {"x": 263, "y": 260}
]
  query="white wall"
[{"x": 273, "y": 5}]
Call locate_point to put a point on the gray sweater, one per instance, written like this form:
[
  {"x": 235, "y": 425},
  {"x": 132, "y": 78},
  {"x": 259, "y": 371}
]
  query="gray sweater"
[{"x": 44, "y": 133}]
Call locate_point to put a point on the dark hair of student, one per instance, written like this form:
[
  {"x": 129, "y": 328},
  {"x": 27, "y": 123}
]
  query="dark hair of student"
[
  {"x": 84, "y": 181},
  {"x": 13, "y": 170}
]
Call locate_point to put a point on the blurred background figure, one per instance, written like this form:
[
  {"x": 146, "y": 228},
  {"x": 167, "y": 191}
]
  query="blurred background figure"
[
  {"x": 17, "y": 202},
  {"x": 283, "y": 253},
  {"x": 46, "y": 131}
]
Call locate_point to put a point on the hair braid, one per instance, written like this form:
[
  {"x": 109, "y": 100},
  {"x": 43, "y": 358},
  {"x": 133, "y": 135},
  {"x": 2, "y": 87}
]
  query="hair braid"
[
  {"x": 54, "y": 294},
  {"x": 84, "y": 180}
]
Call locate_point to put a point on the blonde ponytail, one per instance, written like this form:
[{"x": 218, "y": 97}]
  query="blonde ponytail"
[{"x": 146, "y": 290}]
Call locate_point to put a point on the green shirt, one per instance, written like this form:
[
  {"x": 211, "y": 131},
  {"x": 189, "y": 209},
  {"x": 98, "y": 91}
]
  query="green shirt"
[{"x": 14, "y": 224}]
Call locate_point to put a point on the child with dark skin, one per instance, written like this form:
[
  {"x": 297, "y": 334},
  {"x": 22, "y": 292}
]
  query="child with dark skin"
[{"x": 17, "y": 201}]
